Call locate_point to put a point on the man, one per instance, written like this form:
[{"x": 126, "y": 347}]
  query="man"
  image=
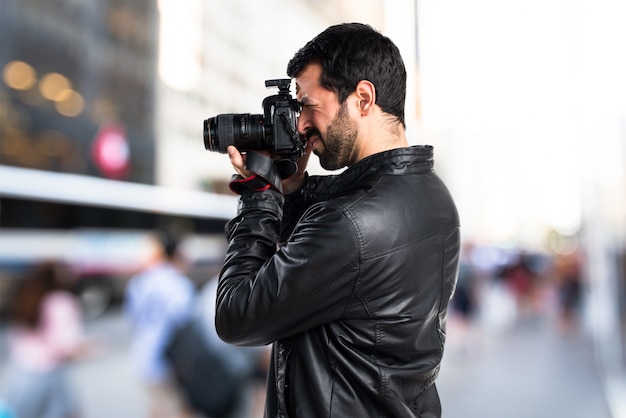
[
  {"x": 349, "y": 276},
  {"x": 159, "y": 299}
]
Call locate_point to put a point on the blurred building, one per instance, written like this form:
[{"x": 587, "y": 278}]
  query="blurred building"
[
  {"x": 78, "y": 87},
  {"x": 119, "y": 88},
  {"x": 77, "y": 96}
]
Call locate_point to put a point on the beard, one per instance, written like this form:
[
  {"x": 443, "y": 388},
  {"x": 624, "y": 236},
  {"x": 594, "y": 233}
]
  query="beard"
[{"x": 339, "y": 141}]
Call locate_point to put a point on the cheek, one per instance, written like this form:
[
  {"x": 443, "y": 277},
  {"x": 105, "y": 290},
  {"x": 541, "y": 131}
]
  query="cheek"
[
  {"x": 307, "y": 119},
  {"x": 323, "y": 120}
]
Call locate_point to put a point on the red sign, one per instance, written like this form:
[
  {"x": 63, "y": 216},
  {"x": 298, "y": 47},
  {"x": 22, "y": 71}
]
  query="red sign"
[{"x": 110, "y": 151}]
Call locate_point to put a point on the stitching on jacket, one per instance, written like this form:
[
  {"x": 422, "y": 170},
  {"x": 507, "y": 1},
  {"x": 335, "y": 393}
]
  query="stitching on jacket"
[{"x": 327, "y": 284}]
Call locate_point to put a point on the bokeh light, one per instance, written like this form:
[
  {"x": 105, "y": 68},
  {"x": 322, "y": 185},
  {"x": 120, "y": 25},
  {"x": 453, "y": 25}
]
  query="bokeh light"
[
  {"x": 19, "y": 75},
  {"x": 70, "y": 103},
  {"x": 53, "y": 86}
]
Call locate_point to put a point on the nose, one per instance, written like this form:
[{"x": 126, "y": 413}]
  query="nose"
[{"x": 304, "y": 123}]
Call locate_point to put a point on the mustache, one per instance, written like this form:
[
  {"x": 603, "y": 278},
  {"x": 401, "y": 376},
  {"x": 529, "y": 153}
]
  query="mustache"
[{"x": 312, "y": 132}]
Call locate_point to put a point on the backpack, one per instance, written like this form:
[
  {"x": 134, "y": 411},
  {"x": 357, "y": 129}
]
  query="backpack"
[{"x": 210, "y": 387}]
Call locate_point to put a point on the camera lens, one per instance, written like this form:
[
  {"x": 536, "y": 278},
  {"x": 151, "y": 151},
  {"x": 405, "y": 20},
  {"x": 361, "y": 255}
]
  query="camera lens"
[
  {"x": 209, "y": 133},
  {"x": 243, "y": 130}
]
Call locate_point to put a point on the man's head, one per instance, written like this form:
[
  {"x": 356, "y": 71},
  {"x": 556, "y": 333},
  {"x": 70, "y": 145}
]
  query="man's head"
[
  {"x": 351, "y": 52},
  {"x": 351, "y": 84},
  {"x": 161, "y": 246}
]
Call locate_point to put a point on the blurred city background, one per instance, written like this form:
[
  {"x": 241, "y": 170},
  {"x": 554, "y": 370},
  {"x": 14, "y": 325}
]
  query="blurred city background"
[{"x": 101, "y": 111}]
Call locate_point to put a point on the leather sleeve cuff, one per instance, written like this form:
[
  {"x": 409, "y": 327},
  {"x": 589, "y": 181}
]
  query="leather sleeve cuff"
[
  {"x": 255, "y": 183},
  {"x": 265, "y": 175}
]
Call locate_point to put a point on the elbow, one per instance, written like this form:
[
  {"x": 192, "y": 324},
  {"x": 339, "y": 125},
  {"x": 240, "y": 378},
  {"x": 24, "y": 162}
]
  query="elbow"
[
  {"x": 229, "y": 332},
  {"x": 225, "y": 331},
  {"x": 238, "y": 335}
]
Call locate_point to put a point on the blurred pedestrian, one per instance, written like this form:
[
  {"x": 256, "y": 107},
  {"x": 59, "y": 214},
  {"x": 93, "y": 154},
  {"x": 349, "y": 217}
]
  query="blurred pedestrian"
[
  {"x": 158, "y": 299},
  {"x": 569, "y": 279},
  {"x": 348, "y": 276},
  {"x": 464, "y": 303},
  {"x": 45, "y": 334},
  {"x": 522, "y": 282},
  {"x": 248, "y": 364},
  {"x": 464, "y": 300}
]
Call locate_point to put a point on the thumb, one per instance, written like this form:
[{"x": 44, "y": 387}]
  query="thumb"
[{"x": 236, "y": 159}]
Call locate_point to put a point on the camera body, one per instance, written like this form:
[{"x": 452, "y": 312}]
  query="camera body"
[{"x": 274, "y": 131}]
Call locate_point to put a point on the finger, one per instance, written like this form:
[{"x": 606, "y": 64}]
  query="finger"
[
  {"x": 236, "y": 159},
  {"x": 303, "y": 161}
]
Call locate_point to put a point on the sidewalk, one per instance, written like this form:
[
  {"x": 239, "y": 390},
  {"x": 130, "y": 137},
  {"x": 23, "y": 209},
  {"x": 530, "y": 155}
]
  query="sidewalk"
[{"x": 528, "y": 370}]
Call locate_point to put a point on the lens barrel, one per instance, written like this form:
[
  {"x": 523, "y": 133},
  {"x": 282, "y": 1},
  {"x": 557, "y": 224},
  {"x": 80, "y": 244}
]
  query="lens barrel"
[{"x": 243, "y": 130}]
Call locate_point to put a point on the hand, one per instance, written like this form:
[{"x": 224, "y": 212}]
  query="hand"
[
  {"x": 290, "y": 185},
  {"x": 296, "y": 181},
  {"x": 238, "y": 161}
]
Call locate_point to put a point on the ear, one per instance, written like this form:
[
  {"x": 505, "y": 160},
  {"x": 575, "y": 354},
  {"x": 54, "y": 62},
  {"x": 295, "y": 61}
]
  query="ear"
[{"x": 366, "y": 96}]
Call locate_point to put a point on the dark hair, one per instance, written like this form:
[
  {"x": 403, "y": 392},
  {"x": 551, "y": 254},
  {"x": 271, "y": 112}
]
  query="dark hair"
[
  {"x": 24, "y": 307},
  {"x": 169, "y": 242},
  {"x": 170, "y": 245},
  {"x": 351, "y": 52}
]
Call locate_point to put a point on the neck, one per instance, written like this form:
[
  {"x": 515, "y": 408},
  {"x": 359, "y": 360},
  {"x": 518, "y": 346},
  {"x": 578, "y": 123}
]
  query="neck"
[{"x": 384, "y": 136}]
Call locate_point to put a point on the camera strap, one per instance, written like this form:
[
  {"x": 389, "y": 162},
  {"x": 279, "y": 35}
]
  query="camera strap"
[{"x": 267, "y": 173}]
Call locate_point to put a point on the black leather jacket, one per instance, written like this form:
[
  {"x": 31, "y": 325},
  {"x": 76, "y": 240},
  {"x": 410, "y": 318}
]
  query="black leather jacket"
[{"x": 351, "y": 285}]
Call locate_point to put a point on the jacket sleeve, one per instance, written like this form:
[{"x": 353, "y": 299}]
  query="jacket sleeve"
[
  {"x": 295, "y": 205},
  {"x": 266, "y": 293}
]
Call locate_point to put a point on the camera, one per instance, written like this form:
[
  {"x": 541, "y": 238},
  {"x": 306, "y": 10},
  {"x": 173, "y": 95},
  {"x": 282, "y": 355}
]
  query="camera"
[{"x": 274, "y": 131}]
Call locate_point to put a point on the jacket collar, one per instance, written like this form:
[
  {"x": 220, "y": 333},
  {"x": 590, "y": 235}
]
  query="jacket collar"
[
  {"x": 410, "y": 160},
  {"x": 418, "y": 158}
]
